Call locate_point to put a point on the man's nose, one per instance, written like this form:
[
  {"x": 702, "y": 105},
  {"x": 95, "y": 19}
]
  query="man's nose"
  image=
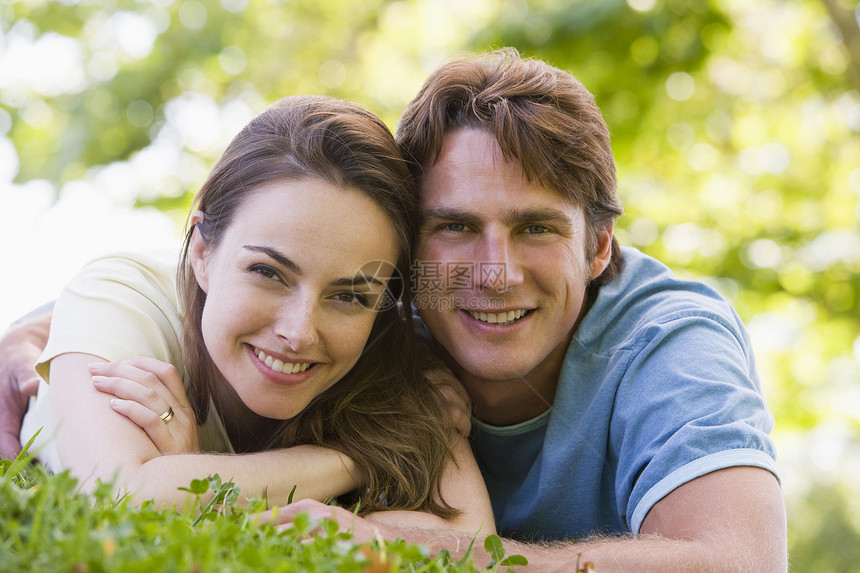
[{"x": 497, "y": 263}]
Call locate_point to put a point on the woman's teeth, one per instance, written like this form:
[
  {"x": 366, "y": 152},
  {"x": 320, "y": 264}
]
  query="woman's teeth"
[
  {"x": 283, "y": 367},
  {"x": 500, "y": 318}
]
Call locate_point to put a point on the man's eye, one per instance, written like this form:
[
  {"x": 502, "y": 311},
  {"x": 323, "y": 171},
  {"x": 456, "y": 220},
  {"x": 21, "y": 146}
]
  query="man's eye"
[
  {"x": 455, "y": 227},
  {"x": 536, "y": 229}
]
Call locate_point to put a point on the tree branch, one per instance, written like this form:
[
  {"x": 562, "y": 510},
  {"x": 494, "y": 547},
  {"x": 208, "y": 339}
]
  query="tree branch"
[{"x": 849, "y": 28}]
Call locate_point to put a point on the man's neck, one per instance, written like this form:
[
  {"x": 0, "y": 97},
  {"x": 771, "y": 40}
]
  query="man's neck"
[{"x": 509, "y": 402}]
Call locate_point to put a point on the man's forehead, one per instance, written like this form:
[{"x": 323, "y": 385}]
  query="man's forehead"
[
  {"x": 469, "y": 144},
  {"x": 471, "y": 173}
]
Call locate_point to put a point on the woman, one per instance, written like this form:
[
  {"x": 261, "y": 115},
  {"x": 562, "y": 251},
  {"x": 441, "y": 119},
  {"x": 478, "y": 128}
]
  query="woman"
[{"x": 288, "y": 344}]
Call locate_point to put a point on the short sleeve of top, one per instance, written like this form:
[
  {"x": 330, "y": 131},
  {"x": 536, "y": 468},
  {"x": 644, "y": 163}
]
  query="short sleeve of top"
[
  {"x": 118, "y": 307},
  {"x": 658, "y": 387}
]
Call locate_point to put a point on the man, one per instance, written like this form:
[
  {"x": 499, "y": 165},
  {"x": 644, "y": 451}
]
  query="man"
[
  {"x": 609, "y": 398},
  {"x": 617, "y": 414}
]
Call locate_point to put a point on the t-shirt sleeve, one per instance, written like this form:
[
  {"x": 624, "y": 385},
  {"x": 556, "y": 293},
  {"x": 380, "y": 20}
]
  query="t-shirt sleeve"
[
  {"x": 117, "y": 307},
  {"x": 690, "y": 404}
]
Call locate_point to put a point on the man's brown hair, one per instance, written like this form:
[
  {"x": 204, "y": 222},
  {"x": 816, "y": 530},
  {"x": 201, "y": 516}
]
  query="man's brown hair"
[{"x": 541, "y": 117}]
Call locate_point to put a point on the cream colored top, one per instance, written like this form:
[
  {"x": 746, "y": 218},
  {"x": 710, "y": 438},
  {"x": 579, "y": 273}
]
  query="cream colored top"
[{"x": 118, "y": 307}]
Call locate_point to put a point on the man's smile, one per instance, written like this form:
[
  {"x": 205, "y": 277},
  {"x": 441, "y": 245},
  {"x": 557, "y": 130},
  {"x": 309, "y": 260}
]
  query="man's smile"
[{"x": 500, "y": 318}]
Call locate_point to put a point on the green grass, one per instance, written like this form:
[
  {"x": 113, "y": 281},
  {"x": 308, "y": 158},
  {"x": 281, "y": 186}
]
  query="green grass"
[{"x": 47, "y": 525}]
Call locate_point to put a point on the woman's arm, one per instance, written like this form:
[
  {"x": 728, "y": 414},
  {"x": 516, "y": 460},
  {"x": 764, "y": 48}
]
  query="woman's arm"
[
  {"x": 95, "y": 442},
  {"x": 463, "y": 488}
]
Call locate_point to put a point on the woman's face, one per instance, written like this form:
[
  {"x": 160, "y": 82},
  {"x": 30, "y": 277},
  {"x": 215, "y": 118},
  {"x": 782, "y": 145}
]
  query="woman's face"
[{"x": 288, "y": 309}]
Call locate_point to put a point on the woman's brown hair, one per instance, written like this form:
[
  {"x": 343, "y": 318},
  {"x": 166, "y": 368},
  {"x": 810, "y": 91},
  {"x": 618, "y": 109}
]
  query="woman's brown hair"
[{"x": 383, "y": 414}]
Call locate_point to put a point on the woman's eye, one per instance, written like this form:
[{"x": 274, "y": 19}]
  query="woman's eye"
[
  {"x": 264, "y": 271},
  {"x": 352, "y": 297}
]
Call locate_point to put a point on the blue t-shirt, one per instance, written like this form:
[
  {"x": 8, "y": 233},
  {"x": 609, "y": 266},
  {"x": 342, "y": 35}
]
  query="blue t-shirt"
[{"x": 658, "y": 387}]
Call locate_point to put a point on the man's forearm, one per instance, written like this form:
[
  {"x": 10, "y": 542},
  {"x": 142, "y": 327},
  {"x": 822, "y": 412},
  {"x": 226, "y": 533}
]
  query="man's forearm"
[
  {"x": 643, "y": 553},
  {"x": 609, "y": 555}
]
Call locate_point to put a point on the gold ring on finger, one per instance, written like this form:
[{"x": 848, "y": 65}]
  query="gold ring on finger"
[{"x": 168, "y": 415}]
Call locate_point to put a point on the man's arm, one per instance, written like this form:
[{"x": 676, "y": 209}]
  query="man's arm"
[
  {"x": 728, "y": 520},
  {"x": 20, "y": 347}
]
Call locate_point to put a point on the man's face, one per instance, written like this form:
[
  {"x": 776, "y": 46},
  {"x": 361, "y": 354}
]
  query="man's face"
[{"x": 501, "y": 270}]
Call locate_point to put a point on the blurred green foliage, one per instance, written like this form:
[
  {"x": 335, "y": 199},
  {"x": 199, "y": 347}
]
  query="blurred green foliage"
[{"x": 735, "y": 123}]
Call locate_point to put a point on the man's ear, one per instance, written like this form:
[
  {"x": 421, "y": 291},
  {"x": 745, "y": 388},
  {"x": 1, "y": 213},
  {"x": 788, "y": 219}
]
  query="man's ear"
[
  {"x": 198, "y": 251},
  {"x": 604, "y": 249}
]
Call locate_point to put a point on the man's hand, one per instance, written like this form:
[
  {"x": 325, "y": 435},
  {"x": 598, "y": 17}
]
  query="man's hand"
[{"x": 20, "y": 347}]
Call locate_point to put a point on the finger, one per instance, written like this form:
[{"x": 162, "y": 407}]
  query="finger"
[
  {"x": 21, "y": 363},
  {"x": 165, "y": 371},
  {"x": 10, "y": 446},
  {"x": 454, "y": 398},
  {"x": 148, "y": 421},
  {"x": 462, "y": 423},
  {"x": 149, "y": 371},
  {"x": 29, "y": 386},
  {"x": 13, "y": 405},
  {"x": 444, "y": 378},
  {"x": 127, "y": 389},
  {"x": 458, "y": 401},
  {"x": 285, "y": 515}
]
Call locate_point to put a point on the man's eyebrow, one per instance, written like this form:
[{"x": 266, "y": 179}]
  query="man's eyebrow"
[
  {"x": 281, "y": 258},
  {"x": 448, "y": 214},
  {"x": 537, "y": 215}
]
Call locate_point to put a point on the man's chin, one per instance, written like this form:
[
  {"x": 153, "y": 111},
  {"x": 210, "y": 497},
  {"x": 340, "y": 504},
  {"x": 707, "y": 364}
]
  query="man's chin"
[{"x": 493, "y": 369}]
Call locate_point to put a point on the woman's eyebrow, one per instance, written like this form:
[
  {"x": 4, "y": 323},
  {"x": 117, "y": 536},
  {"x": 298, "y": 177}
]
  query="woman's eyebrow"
[
  {"x": 358, "y": 280},
  {"x": 289, "y": 264},
  {"x": 281, "y": 258}
]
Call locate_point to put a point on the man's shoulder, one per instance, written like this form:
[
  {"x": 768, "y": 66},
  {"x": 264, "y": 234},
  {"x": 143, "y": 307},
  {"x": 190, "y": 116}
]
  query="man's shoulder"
[
  {"x": 645, "y": 293},
  {"x": 647, "y": 282}
]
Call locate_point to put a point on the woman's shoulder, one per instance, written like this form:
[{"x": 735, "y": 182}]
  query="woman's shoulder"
[
  {"x": 154, "y": 267},
  {"x": 119, "y": 306}
]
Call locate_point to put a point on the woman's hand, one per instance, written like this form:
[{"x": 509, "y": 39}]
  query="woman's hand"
[
  {"x": 455, "y": 395},
  {"x": 150, "y": 393},
  {"x": 363, "y": 531},
  {"x": 437, "y": 372}
]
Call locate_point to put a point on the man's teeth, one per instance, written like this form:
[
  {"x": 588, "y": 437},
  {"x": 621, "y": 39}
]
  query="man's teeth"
[
  {"x": 500, "y": 318},
  {"x": 283, "y": 367}
]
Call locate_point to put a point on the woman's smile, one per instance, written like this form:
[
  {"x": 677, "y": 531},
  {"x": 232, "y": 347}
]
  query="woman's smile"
[{"x": 282, "y": 367}]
